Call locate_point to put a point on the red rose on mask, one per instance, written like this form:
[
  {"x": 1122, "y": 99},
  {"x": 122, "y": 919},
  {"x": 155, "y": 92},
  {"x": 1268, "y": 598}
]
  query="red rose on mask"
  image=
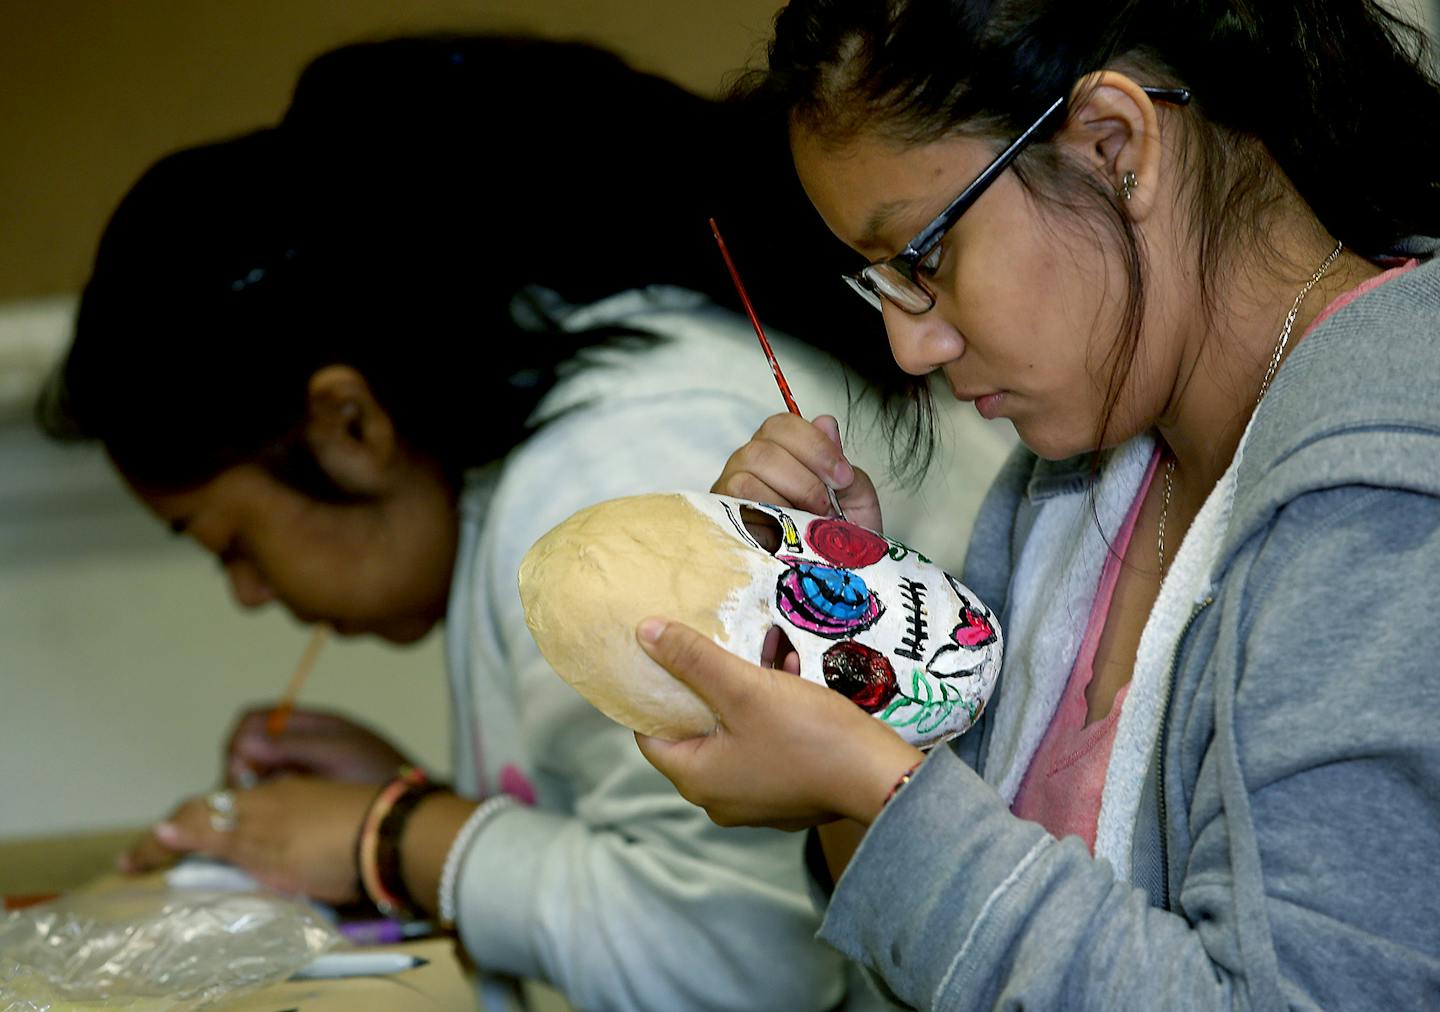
[
  {"x": 860, "y": 674},
  {"x": 843, "y": 544}
]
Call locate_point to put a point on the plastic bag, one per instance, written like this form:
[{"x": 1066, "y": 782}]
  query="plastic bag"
[{"x": 156, "y": 949}]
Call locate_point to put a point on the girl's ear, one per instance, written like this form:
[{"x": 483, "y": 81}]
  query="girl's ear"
[
  {"x": 1114, "y": 129},
  {"x": 351, "y": 436}
]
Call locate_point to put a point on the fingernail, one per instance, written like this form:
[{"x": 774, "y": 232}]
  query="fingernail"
[
  {"x": 651, "y": 629},
  {"x": 842, "y": 475},
  {"x": 167, "y": 833},
  {"x": 246, "y": 778}
]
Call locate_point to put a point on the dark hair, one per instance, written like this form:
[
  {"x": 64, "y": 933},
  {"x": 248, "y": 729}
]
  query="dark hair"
[
  {"x": 1331, "y": 90},
  {"x": 413, "y": 188}
]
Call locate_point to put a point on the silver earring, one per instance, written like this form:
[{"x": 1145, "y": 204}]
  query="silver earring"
[{"x": 1128, "y": 182}]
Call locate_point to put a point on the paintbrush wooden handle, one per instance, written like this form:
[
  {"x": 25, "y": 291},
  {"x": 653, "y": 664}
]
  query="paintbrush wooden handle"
[
  {"x": 277, "y": 718},
  {"x": 790, "y": 404}
]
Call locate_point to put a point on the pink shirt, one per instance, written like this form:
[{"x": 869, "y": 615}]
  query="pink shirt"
[
  {"x": 1063, "y": 786},
  {"x": 1061, "y": 789},
  {"x": 1345, "y": 298}
]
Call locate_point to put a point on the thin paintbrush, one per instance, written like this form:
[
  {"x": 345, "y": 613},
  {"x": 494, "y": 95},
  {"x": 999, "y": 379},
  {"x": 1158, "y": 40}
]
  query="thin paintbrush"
[
  {"x": 277, "y": 718},
  {"x": 765, "y": 344}
]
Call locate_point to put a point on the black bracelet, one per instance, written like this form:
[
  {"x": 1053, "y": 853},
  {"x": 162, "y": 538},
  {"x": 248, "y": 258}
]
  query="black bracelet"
[{"x": 387, "y": 849}]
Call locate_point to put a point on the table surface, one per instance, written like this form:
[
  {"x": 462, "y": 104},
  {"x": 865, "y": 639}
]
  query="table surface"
[
  {"x": 440, "y": 985},
  {"x": 42, "y": 865},
  {"x": 52, "y": 864}
]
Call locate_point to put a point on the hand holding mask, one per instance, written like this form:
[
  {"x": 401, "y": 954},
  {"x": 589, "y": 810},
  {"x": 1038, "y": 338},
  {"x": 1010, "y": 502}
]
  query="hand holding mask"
[{"x": 868, "y": 617}]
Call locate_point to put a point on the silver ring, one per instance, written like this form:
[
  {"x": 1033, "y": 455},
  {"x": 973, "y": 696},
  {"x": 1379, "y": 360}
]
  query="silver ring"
[{"x": 223, "y": 816}]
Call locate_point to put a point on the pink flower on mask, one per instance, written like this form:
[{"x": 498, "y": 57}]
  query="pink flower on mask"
[{"x": 974, "y": 630}]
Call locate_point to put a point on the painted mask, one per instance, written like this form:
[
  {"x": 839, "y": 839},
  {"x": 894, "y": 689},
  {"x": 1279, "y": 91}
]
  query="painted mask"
[{"x": 867, "y": 616}]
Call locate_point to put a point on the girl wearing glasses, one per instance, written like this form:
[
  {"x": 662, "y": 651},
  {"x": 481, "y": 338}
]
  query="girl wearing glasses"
[
  {"x": 1179, "y": 246},
  {"x": 316, "y": 351}
]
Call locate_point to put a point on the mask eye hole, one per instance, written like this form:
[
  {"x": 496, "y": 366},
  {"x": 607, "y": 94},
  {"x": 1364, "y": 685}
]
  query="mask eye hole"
[
  {"x": 763, "y": 527},
  {"x": 777, "y": 651}
]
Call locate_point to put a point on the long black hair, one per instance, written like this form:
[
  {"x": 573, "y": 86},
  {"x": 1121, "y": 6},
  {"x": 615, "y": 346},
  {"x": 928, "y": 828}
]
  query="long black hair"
[
  {"x": 414, "y": 186},
  {"x": 1333, "y": 92}
]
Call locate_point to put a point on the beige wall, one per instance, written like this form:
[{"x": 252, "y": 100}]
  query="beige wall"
[
  {"x": 121, "y": 658},
  {"x": 93, "y": 91}
]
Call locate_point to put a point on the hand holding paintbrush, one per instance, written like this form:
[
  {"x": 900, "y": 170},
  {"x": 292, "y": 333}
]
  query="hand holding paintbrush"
[{"x": 243, "y": 774}]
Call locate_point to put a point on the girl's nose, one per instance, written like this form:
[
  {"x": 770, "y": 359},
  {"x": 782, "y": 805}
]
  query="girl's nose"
[
  {"x": 248, "y": 586},
  {"x": 921, "y": 344}
]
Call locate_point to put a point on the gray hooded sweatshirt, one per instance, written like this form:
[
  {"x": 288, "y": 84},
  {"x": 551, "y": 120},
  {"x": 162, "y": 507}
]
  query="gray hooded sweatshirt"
[{"x": 1269, "y": 833}]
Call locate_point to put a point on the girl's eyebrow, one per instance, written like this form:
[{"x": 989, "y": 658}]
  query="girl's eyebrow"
[{"x": 879, "y": 220}]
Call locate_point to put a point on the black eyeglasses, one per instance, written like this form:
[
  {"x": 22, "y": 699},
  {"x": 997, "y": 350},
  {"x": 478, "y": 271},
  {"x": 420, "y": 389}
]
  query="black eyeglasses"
[{"x": 895, "y": 279}]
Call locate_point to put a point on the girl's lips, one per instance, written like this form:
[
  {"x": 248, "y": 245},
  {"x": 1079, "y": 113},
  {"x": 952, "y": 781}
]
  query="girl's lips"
[{"x": 990, "y": 405}]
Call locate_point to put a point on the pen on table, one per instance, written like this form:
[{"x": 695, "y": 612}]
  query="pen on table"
[
  {"x": 358, "y": 964},
  {"x": 280, "y": 715},
  {"x": 385, "y": 930},
  {"x": 765, "y": 345}
]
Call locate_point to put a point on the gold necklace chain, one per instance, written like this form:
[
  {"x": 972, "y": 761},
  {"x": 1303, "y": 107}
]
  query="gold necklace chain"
[{"x": 1264, "y": 387}]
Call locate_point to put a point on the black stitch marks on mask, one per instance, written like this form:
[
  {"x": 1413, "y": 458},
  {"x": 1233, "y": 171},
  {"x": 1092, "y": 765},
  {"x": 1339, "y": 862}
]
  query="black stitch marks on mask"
[{"x": 913, "y": 601}]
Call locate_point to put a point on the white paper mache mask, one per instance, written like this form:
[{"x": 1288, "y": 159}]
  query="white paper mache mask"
[{"x": 869, "y": 617}]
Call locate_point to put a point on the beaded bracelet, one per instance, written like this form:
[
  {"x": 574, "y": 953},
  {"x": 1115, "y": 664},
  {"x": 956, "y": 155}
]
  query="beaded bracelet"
[
  {"x": 388, "y": 872},
  {"x": 367, "y": 842},
  {"x": 899, "y": 784},
  {"x": 450, "y": 875}
]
